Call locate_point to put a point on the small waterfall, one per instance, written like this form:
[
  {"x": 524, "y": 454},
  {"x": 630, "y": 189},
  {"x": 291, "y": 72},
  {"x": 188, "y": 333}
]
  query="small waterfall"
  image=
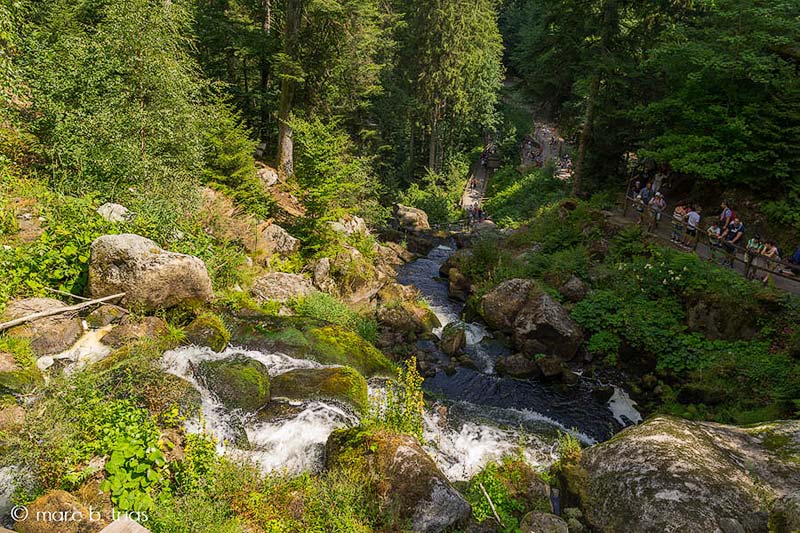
[
  {"x": 622, "y": 407},
  {"x": 88, "y": 349},
  {"x": 293, "y": 442}
]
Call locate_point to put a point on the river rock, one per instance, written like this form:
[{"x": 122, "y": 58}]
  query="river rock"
[
  {"x": 457, "y": 259},
  {"x": 785, "y": 515},
  {"x": 411, "y": 218},
  {"x": 544, "y": 326},
  {"x": 550, "y": 367},
  {"x": 340, "y": 383},
  {"x": 152, "y": 278},
  {"x": 669, "y": 474},
  {"x": 517, "y": 366},
  {"x": 401, "y": 315},
  {"x": 537, "y": 522},
  {"x": 49, "y": 335},
  {"x": 400, "y": 251},
  {"x": 52, "y": 512},
  {"x": 280, "y": 287},
  {"x": 104, "y": 315},
  {"x": 113, "y": 212},
  {"x": 238, "y": 382},
  {"x": 500, "y": 306},
  {"x": 459, "y": 286},
  {"x": 411, "y": 487},
  {"x": 273, "y": 239},
  {"x": 574, "y": 290},
  {"x": 454, "y": 338},
  {"x": 207, "y": 330},
  {"x": 149, "y": 327}
]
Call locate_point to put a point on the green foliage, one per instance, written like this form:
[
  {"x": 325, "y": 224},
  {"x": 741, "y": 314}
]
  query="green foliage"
[
  {"x": 20, "y": 348},
  {"x": 569, "y": 448},
  {"x": 403, "y": 407},
  {"x": 200, "y": 459},
  {"x": 325, "y": 307},
  {"x": 507, "y": 507},
  {"x": 513, "y": 199},
  {"x": 439, "y": 194}
]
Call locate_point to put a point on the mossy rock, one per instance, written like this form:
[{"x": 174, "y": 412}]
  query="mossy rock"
[
  {"x": 336, "y": 383},
  {"x": 308, "y": 338},
  {"x": 238, "y": 382},
  {"x": 208, "y": 330},
  {"x": 19, "y": 380}
]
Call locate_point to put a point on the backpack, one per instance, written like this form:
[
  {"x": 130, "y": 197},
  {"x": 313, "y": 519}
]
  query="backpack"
[{"x": 796, "y": 257}]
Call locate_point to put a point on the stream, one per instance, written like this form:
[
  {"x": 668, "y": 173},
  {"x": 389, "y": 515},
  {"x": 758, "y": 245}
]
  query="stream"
[{"x": 474, "y": 416}]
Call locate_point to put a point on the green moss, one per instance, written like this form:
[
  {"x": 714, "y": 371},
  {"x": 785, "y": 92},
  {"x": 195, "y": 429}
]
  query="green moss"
[
  {"x": 20, "y": 349},
  {"x": 20, "y": 381},
  {"x": 334, "y": 345},
  {"x": 239, "y": 382},
  {"x": 209, "y": 330},
  {"x": 338, "y": 383}
]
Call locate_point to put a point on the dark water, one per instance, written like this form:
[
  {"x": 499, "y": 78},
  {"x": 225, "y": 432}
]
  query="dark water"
[{"x": 481, "y": 394}]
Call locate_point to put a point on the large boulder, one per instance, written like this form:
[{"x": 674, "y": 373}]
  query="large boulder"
[
  {"x": 49, "y": 335},
  {"x": 544, "y": 326},
  {"x": 207, "y": 330},
  {"x": 273, "y": 239},
  {"x": 785, "y": 515},
  {"x": 459, "y": 287},
  {"x": 410, "y": 488},
  {"x": 454, "y": 338},
  {"x": 280, "y": 287},
  {"x": 500, "y": 306},
  {"x": 538, "y": 522},
  {"x": 340, "y": 383},
  {"x": 517, "y": 366},
  {"x": 400, "y": 315},
  {"x": 150, "y": 277},
  {"x": 670, "y": 474},
  {"x": 149, "y": 327},
  {"x": 239, "y": 382},
  {"x": 411, "y": 218}
]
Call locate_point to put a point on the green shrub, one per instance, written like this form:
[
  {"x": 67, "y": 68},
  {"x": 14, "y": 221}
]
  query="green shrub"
[
  {"x": 490, "y": 480},
  {"x": 326, "y": 307},
  {"x": 403, "y": 407}
]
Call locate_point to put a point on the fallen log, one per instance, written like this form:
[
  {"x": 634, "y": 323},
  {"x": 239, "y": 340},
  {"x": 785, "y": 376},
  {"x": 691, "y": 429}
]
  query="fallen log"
[
  {"x": 58, "y": 311},
  {"x": 81, "y": 298}
]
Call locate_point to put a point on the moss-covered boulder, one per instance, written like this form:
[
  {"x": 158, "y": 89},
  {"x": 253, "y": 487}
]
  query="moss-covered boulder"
[
  {"x": 454, "y": 338},
  {"x": 410, "y": 486},
  {"x": 46, "y": 515},
  {"x": 15, "y": 379},
  {"x": 670, "y": 474},
  {"x": 49, "y": 335},
  {"x": 208, "y": 330},
  {"x": 104, "y": 315},
  {"x": 238, "y": 382},
  {"x": 307, "y": 338},
  {"x": 336, "y": 383},
  {"x": 132, "y": 330},
  {"x": 402, "y": 317}
]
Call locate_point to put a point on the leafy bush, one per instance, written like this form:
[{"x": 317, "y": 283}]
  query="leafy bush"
[
  {"x": 404, "y": 405},
  {"x": 513, "y": 199},
  {"x": 326, "y": 307},
  {"x": 507, "y": 507}
]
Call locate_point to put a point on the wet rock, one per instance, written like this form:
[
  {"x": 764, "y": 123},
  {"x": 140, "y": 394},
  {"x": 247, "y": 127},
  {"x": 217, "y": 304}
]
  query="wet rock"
[
  {"x": 208, "y": 330},
  {"x": 669, "y": 474},
  {"x": 536, "y": 522},
  {"x": 457, "y": 260},
  {"x": 113, "y": 212},
  {"x": 342, "y": 383},
  {"x": 550, "y": 367},
  {"x": 603, "y": 394},
  {"x": 49, "y": 335},
  {"x": 280, "y": 287},
  {"x": 273, "y": 239},
  {"x": 574, "y": 290},
  {"x": 454, "y": 338},
  {"x": 238, "y": 382},
  {"x": 517, "y": 366},
  {"x": 104, "y": 315},
  {"x": 411, "y": 218},
  {"x": 500, "y": 307},
  {"x": 412, "y": 487},
  {"x": 152, "y": 278},
  {"x": 459, "y": 287},
  {"x": 544, "y": 326},
  {"x": 568, "y": 377},
  {"x": 149, "y": 327},
  {"x": 401, "y": 315}
]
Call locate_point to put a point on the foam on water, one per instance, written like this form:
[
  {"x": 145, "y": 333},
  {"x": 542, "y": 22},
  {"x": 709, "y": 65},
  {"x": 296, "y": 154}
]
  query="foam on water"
[
  {"x": 622, "y": 406},
  {"x": 88, "y": 349},
  {"x": 293, "y": 444}
]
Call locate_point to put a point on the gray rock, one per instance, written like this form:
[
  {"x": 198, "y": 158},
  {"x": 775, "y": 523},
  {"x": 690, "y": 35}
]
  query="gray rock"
[
  {"x": 517, "y": 366},
  {"x": 537, "y": 522},
  {"x": 454, "y": 338},
  {"x": 544, "y": 326},
  {"x": 500, "y": 307},
  {"x": 785, "y": 514},
  {"x": 104, "y": 315},
  {"x": 49, "y": 335},
  {"x": 321, "y": 269},
  {"x": 149, "y": 327},
  {"x": 574, "y": 290},
  {"x": 113, "y": 212},
  {"x": 268, "y": 176},
  {"x": 152, "y": 278},
  {"x": 411, "y": 218},
  {"x": 275, "y": 240},
  {"x": 280, "y": 287},
  {"x": 349, "y": 225},
  {"x": 669, "y": 474}
]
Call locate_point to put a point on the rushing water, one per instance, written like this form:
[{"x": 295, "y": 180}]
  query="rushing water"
[{"x": 487, "y": 415}]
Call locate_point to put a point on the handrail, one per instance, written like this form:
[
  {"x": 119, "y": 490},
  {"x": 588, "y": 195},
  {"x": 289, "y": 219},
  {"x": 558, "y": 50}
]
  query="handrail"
[{"x": 778, "y": 262}]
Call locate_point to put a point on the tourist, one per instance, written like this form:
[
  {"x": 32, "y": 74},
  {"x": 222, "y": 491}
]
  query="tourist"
[
  {"x": 644, "y": 197},
  {"x": 714, "y": 233},
  {"x": 726, "y": 216},
  {"x": 692, "y": 220},
  {"x": 731, "y": 239},
  {"x": 770, "y": 255},
  {"x": 657, "y": 206},
  {"x": 677, "y": 221},
  {"x": 752, "y": 252},
  {"x": 795, "y": 260}
]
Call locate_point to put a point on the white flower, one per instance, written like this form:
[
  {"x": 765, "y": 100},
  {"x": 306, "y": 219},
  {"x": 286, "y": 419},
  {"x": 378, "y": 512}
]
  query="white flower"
[
  {"x": 664, "y": 282},
  {"x": 648, "y": 266}
]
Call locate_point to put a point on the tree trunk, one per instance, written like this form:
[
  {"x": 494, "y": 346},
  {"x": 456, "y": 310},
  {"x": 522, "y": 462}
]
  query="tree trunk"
[
  {"x": 285, "y": 155},
  {"x": 263, "y": 67},
  {"x": 432, "y": 147}
]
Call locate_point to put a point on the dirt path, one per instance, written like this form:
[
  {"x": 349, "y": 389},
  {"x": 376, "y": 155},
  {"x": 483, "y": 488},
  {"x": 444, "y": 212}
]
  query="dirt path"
[{"x": 472, "y": 196}]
